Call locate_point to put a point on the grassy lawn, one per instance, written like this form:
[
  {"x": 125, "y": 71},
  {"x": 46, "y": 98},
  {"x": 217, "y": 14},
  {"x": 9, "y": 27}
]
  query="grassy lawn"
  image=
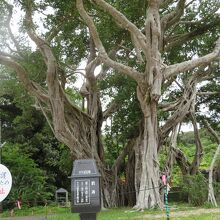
[
  {"x": 123, "y": 214},
  {"x": 200, "y": 217},
  {"x": 56, "y": 213}
]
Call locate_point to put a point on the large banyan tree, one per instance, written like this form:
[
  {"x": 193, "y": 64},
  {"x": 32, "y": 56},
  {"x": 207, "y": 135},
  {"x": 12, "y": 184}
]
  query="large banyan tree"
[{"x": 162, "y": 45}]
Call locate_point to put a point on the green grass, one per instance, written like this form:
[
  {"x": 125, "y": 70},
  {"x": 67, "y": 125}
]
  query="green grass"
[
  {"x": 123, "y": 214},
  {"x": 116, "y": 214},
  {"x": 38, "y": 210},
  {"x": 56, "y": 213}
]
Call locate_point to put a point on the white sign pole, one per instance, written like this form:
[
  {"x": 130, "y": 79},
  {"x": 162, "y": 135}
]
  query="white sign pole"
[{"x": 5, "y": 182}]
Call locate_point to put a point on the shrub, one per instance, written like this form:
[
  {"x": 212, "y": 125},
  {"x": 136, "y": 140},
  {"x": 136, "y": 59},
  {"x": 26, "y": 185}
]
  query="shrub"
[
  {"x": 28, "y": 181},
  {"x": 217, "y": 190},
  {"x": 196, "y": 187}
]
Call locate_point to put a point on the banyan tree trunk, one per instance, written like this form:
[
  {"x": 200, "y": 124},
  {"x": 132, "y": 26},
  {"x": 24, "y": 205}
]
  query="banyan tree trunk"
[
  {"x": 130, "y": 180},
  {"x": 148, "y": 192},
  {"x": 211, "y": 195}
]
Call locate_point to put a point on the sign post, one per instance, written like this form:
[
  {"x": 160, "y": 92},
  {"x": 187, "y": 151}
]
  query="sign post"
[
  {"x": 85, "y": 189},
  {"x": 166, "y": 186}
]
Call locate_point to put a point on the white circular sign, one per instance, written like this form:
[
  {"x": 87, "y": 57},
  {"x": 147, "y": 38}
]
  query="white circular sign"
[{"x": 5, "y": 182}]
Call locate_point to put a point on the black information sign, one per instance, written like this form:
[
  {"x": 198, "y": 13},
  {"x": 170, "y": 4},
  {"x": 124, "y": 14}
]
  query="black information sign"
[
  {"x": 82, "y": 195},
  {"x": 85, "y": 187}
]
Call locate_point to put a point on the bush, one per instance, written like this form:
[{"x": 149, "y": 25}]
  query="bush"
[
  {"x": 196, "y": 187},
  {"x": 217, "y": 190},
  {"x": 28, "y": 181}
]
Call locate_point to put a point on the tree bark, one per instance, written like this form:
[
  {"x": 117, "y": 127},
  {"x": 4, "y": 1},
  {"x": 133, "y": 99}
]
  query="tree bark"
[
  {"x": 148, "y": 192},
  {"x": 130, "y": 179},
  {"x": 171, "y": 156},
  {"x": 199, "y": 148},
  {"x": 211, "y": 194},
  {"x": 148, "y": 196}
]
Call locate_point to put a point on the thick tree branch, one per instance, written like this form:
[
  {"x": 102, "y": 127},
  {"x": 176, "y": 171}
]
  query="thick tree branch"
[
  {"x": 182, "y": 161},
  {"x": 92, "y": 54},
  {"x": 169, "y": 106},
  {"x": 92, "y": 63},
  {"x": 212, "y": 131},
  {"x": 121, "y": 158},
  {"x": 104, "y": 69},
  {"x": 67, "y": 118},
  {"x": 13, "y": 57},
  {"x": 46, "y": 116},
  {"x": 113, "y": 107},
  {"x": 10, "y": 11},
  {"x": 171, "y": 154},
  {"x": 165, "y": 3},
  {"x": 31, "y": 87},
  {"x": 102, "y": 52},
  {"x": 50, "y": 60},
  {"x": 44, "y": 47},
  {"x": 173, "y": 17},
  {"x": 191, "y": 64},
  {"x": 199, "y": 148},
  {"x": 198, "y": 29},
  {"x": 125, "y": 23},
  {"x": 207, "y": 93},
  {"x": 40, "y": 42},
  {"x": 182, "y": 109}
]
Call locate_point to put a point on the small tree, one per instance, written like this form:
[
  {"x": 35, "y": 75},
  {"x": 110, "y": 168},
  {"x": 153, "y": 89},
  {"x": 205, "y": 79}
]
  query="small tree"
[{"x": 29, "y": 182}]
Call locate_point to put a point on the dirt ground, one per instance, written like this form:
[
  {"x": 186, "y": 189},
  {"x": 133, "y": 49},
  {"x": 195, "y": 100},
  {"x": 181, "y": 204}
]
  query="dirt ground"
[
  {"x": 183, "y": 214},
  {"x": 25, "y": 218}
]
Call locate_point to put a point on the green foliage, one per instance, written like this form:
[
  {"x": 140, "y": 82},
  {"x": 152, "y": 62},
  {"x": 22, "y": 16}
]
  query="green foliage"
[
  {"x": 29, "y": 181},
  {"x": 35, "y": 65},
  {"x": 209, "y": 151},
  {"x": 74, "y": 96},
  {"x": 196, "y": 187},
  {"x": 125, "y": 121},
  {"x": 218, "y": 162},
  {"x": 216, "y": 186},
  {"x": 26, "y": 127},
  {"x": 177, "y": 179},
  {"x": 212, "y": 100},
  {"x": 187, "y": 145},
  {"x": 162, "y": 158}
]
